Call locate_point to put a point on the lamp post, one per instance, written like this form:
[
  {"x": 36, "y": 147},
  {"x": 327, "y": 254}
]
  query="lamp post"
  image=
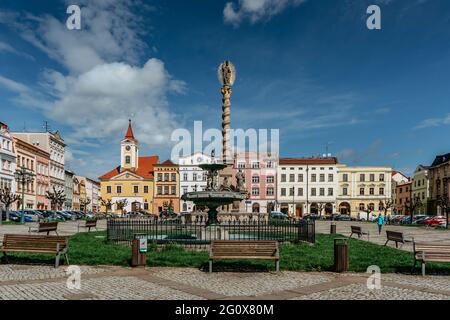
[{"x": 23, "y": 176}]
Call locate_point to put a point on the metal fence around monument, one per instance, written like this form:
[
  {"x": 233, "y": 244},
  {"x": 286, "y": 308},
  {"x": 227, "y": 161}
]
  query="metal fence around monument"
[{"x": 199, "y": 235}]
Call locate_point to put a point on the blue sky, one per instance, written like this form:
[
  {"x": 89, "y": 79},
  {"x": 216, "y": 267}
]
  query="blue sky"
[{"x": 309, "y": 68}]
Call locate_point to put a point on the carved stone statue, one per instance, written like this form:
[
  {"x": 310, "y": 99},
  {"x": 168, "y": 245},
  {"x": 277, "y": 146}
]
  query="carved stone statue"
[
  {"x": 225, "y": 185},
  {"x": 240, "y": 181},
  {"x": 227, "y": 73}
]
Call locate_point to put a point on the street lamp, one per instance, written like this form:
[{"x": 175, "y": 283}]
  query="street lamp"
[{"x": 23, "y": 176}]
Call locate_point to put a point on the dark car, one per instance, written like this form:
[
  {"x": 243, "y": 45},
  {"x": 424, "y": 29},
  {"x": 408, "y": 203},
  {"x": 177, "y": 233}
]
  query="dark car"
[
  {"x": 13, "y": 216},
  {"x": 279, "y": 215},
  {"x": 343, "y": 217}
]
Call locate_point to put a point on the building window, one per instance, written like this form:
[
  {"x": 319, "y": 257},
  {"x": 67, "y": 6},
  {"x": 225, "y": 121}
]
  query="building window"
[
  {"x": 283, "y": 178},
  {"x": 322, "y": 192},
  {"x": 166, "y": 189},
  {"x": 361, "y": 191},
  {"x": 344, "y": 191},
  {"x": 322, "y": 177},
  {"x": 145, "y": 206},
  {"x": 174, "y": 177},
  {"x": 185, "y": 190},
  {"x": 300, "y": 177},
  {"x": 241, "y": 165},
  {"x": 371, "y": 191},
  {"x": 269, "y": 191},
  {"x": 255, "y": 191},
  {"x": 361, "y": 206},
  {"x": 159, "y": 190},
  {"x": 330, "y": 192},
  {"x": 372, "y": 177},
  {"x": 300, "y": 192},
  {"x": 313, "y": 191},
  {"x": 173, "y": 190},
  {"x": 136, "y": 189},
  {"x": 127, "y": 159},
  {"x": 269, "y": 164},
  {"x": 118, "y": 189},
  {"x": 269, "y": 179},
  {"x": 382, "y": 177},
  {"x": 166, "y": 177},
  {"x": 108, "y": 189},
  {"x": 362, "y": 177},
  {"x": 292, "y": 178},
  {"x": 255, "y": 179},
  {"x": 160, "y": 176},
  {"x": 291, "y": 191},
  {"x": 382, "y": 191},
  {"x": 185, "y": 177},
  {"x": 145, "y": 189},
  {"x": 194, "y": 177},
  {"x": 330, "y": 177},
  {"x": 283, "y": 192},
  {"x": 255, "y": 165},
  {"x": 313, "y": 177}
]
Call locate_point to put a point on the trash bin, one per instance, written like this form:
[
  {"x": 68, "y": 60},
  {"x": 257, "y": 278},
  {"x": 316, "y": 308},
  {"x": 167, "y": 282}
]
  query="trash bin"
[
  {"x": 333, "y": 228},
  {"x": 138, "y": 252},
  {"x": 341, "y": 255}
]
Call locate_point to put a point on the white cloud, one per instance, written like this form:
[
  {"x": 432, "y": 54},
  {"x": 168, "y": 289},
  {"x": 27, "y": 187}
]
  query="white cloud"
[
  {"x": 255, "y": 10},
  {"x": 434, "y": 122},
  {"x": 5, "y": 47}
]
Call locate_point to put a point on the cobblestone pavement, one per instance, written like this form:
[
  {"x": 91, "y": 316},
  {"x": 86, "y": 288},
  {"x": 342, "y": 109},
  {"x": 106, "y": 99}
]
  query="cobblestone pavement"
[
  {"x": 418, "y": 233},
  {"x": 26, "y": 282}
]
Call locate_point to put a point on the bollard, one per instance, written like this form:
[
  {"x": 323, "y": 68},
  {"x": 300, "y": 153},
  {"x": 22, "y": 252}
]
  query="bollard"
[
  {"x": 341, "y": 257},
  {"x": 138, "y": 250},
  {"x": 333, "y": 228}
]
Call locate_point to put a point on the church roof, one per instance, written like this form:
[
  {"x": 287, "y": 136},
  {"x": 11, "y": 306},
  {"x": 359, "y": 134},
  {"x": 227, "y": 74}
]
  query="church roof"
[
  {"x": 130, "y": 134},
  {"x": 144, "y": 170}
]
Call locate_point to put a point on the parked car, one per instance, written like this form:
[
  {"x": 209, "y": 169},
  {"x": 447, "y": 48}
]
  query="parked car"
[
  {"x": 311, "y": 216},
  {"x": 342, "y": 217},
  {"x": 421, "y": 221},
  {"x": 279, "y": 215},
  {"x": 434, "y": 220},
  {"x": 363, "y": 216},
  {"x": 13, "y": 216}
]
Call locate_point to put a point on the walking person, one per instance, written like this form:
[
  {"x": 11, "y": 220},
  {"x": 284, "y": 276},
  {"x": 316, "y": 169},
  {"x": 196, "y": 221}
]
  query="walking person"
[{"x": 380, "y": 222}]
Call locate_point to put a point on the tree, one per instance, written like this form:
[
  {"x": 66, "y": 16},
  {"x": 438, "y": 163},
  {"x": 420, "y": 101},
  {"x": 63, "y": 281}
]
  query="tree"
[
  {"x": 120, "y": 204},
  {"x": 386, "y": 205},
  {"x": 444, "y": 203},
  {"x": 106, "y": 203},
  {"x": 56, "y": 197},
  {"x": 320, "y": 207},
  {"x": 7, "y": 198},
  {"x": 411, "y": 205},
  {"x": 368, "y": 210},
  {"x": 84, "y": 203}
]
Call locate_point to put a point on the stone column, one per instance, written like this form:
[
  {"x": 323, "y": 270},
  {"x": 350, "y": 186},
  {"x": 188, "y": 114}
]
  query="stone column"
[{"x": 226, "y": 120}]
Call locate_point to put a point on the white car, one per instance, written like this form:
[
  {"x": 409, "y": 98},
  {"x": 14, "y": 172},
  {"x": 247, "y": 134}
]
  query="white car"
[{"x": 363, "y": 216}]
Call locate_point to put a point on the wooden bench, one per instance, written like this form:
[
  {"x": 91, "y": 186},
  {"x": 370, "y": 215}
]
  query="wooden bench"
[
  {"x": 237, "y": 249},
  {"x": 45, "y": 227},
  {"x": 88, "y": 225},
  {"x": 35, "y": 244},
  {"x": 430, "y": 252},
  {"x": 358, "y": 231},
  {"x": 397, "y": 237}
]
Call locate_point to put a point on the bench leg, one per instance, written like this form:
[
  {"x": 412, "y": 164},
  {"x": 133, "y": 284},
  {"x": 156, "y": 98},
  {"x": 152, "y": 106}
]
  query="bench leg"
[
  {"x": 423, "y": 268},
  {"x": 56, "y": 233},
  {"x": 385, "y": 244},
  {"x": 67, "y": 258},
  {"x": 277, "y": 265},
  {"x": 210, "y": 266},
  {"x": 57, "y": 261},
  {"x": 351, "y": 235},
  {"x": 396, "y": 244}
]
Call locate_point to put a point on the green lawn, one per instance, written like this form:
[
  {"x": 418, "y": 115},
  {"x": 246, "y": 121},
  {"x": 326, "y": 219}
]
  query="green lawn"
[{"x": 92, "y": 249}]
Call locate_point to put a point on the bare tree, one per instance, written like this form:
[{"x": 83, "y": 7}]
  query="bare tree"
[
  {"x": 120, "y": 204},
  {"x": 56, "y": 197},
  {"x": 107, "y": 203},
  {"x": 386, "y": 205},
  {"x": 7, "y": 198},
  {"x": 444, "y": 203},
  {"x": 85, "y": 203},
  {"x": 368, "y": 210},
  {"x": 411, "y": 205},
  {"x": 320, "y": 207}
]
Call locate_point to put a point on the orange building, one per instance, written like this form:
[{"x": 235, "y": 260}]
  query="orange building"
[
  {"x": 167, "y": 185},
  {"x": 403, "y": 197}
]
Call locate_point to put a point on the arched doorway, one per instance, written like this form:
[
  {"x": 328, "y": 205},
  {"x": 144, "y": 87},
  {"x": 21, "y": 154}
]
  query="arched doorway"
[
  {"x": 255, "y": 207},
  {"x": 314, "y": 208},
  {"x": 344, "y": 208},
  {"x": 298, "y": 210},
  {"x": 185, "y": 207},
  {"x": 328, "y": 209},
  {"x": 270, "y": 207},
  {"x": 136, "y": 206}
]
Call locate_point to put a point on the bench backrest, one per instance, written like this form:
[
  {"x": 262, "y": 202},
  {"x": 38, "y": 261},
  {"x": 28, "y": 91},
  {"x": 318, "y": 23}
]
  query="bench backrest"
[
  {"x": 47, "y": 226},
  {"x": 91, "y": 223},
  {"x": 244, "y": 248},
  {"x": 30, "y": 242},
  {"x": 394, "y": 235},
  {"x": 356, "y": 229},
  {"x": 432, "y": 247}
]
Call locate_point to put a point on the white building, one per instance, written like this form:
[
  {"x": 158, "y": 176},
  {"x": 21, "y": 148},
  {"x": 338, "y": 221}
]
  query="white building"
[
  {"x": 52, "y": 143},
  {"x": 7, "y": 160},
  {"x": 192, "y": 177},
  {"x": 307, "y": 185},
  {"x": 92, "y": 191}
]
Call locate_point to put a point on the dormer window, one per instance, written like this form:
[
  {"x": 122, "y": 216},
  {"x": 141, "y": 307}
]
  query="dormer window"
[{"x": 127, "y": 159}]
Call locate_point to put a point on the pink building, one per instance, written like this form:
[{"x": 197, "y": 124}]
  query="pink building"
[
  {"x": 42, "y": 179},
  {"x": 260, "y": 172}
]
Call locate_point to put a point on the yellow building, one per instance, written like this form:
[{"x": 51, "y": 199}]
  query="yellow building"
[
  {"x": 167, "y": 186},
  {"x": 132, "y": 181},
  {"x": 362, "y": 188}
]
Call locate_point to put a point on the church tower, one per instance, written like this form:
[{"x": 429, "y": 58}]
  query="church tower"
[{"x": 129, "y": 151}]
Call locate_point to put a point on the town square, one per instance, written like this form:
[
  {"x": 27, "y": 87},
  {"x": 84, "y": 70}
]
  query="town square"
[{"x": 225, "y": 151}]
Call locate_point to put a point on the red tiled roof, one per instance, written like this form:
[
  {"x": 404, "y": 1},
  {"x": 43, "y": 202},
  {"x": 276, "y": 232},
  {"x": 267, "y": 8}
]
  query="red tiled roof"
[
  {"x": 145, "y": 168},
  {"x": 129, "y": 134},
  {"x": 167, "y": 163},
  {"x": 308, "y": 161}
]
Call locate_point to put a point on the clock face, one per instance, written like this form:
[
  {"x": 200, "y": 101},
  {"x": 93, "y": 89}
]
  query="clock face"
[
  {"x": 128, "y": 148},
  {"x": 199, "y": 159}
]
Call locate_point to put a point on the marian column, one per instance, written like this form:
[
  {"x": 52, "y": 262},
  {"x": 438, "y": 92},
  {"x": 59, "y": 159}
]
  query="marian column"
[{"x": 226, "y": 74}]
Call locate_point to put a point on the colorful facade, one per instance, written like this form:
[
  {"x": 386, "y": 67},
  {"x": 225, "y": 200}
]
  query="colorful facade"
[{"x": 167, "y": 186}]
